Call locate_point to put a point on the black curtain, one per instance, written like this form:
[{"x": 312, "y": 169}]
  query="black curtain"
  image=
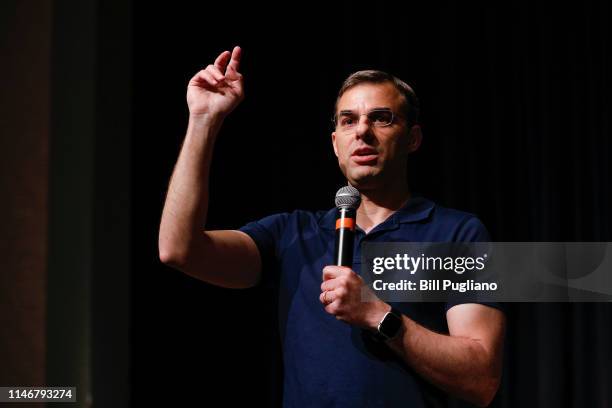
[{"x": 515, "y": 111}]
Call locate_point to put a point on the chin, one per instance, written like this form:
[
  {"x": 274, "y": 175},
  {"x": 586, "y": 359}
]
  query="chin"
[
  {"x": 361, "y": 177},
  {"x": 363, "y": 180}
]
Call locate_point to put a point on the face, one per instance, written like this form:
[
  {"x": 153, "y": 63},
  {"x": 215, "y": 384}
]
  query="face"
[{"x": 368, "y": 155}]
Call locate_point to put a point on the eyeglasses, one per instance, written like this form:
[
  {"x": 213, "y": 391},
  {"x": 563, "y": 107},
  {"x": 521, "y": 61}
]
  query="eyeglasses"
[{"x": 348, "y": 120}]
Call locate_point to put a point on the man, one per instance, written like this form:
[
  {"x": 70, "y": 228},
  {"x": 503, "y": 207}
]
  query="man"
[{"x": 332, "y": 351}]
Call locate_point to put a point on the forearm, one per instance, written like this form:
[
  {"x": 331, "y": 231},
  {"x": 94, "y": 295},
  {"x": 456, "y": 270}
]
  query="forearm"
[
  {"x": 461, "y": 366},
  {"x": 186, "y": 205},
  {"x": 467, "y": 363}
]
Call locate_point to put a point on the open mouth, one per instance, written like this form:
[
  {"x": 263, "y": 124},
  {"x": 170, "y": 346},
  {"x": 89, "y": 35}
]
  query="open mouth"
[{"x": 365, "y": 155}]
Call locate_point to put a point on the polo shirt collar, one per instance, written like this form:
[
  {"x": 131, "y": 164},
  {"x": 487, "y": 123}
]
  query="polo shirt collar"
[{"x": 416, "y": 209}]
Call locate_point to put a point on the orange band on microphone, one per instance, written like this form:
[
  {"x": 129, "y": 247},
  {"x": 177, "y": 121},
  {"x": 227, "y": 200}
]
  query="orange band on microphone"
[{"x": 345, "y": 223}]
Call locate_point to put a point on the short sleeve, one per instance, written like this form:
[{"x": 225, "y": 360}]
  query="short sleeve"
[
  {"x": 267, "y": 233},
  {"x": 472, "y": 230}
]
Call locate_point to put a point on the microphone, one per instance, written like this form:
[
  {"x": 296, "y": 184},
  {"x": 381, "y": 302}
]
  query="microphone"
[{"x": 347, "y": 202}]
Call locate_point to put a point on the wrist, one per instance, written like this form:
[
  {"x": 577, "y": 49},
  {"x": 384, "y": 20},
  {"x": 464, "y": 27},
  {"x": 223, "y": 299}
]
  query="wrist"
[
  {"x": 206, "y": 119},
  {"x": 378, "y": 313},
  {"x": 390, "y": 325},
  {"x": 204, "y": 123}
]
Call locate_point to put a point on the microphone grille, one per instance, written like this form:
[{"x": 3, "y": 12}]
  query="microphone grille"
[{"x": 348, "y": 197}]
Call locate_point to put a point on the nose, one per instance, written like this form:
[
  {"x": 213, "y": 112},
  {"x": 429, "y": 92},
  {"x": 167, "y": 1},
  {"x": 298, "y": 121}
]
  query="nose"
[{"x": 363, "y": 128}]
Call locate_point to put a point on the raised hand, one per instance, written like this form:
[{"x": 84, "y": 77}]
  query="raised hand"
[{"x": 217, "y": 89}]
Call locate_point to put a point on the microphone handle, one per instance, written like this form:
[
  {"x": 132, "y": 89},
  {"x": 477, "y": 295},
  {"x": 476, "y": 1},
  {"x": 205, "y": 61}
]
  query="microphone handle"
[{"x": 345, "y": 236}]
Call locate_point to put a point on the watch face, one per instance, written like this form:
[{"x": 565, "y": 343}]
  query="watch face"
[{"x": 390, "y": 325}]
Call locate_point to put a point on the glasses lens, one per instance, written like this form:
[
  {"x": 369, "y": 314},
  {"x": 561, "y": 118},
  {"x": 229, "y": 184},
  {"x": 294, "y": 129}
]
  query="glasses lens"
[
  {"x": 346, "y": 120},
  {"x": 380, "y": 117}
]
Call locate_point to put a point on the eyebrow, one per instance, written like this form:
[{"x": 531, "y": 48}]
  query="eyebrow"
[{"x": 350, "y": 112}]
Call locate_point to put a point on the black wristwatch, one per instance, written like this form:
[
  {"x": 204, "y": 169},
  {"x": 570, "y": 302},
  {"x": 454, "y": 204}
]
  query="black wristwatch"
[{"x": 390, "y": 325}]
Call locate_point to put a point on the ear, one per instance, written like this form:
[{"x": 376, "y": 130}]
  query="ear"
[
  {"x": 333, "y": 136},
  {"x": 416, "y": 137}
]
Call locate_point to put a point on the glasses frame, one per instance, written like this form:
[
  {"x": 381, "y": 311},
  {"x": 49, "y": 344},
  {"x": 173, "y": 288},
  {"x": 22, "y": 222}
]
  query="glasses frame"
[{"x": 367, "y": 114}]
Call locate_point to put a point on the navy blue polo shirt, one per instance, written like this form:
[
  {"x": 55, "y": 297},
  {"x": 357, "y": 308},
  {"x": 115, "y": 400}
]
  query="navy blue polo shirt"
[{"x": 329, "y": 363}]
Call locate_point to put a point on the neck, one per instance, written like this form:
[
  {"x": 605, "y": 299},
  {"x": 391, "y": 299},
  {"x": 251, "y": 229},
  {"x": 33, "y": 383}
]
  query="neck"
[{"x": 380, "y": 203}]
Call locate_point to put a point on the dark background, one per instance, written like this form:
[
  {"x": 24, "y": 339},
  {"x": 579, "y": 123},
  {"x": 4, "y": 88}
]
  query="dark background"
[
  {"x": 516, "y": 119},
  {"x": 515, "y": 111}
]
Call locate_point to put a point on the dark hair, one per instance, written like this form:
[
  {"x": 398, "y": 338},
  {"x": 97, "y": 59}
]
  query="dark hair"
[{"x": 411, "y": 104}]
